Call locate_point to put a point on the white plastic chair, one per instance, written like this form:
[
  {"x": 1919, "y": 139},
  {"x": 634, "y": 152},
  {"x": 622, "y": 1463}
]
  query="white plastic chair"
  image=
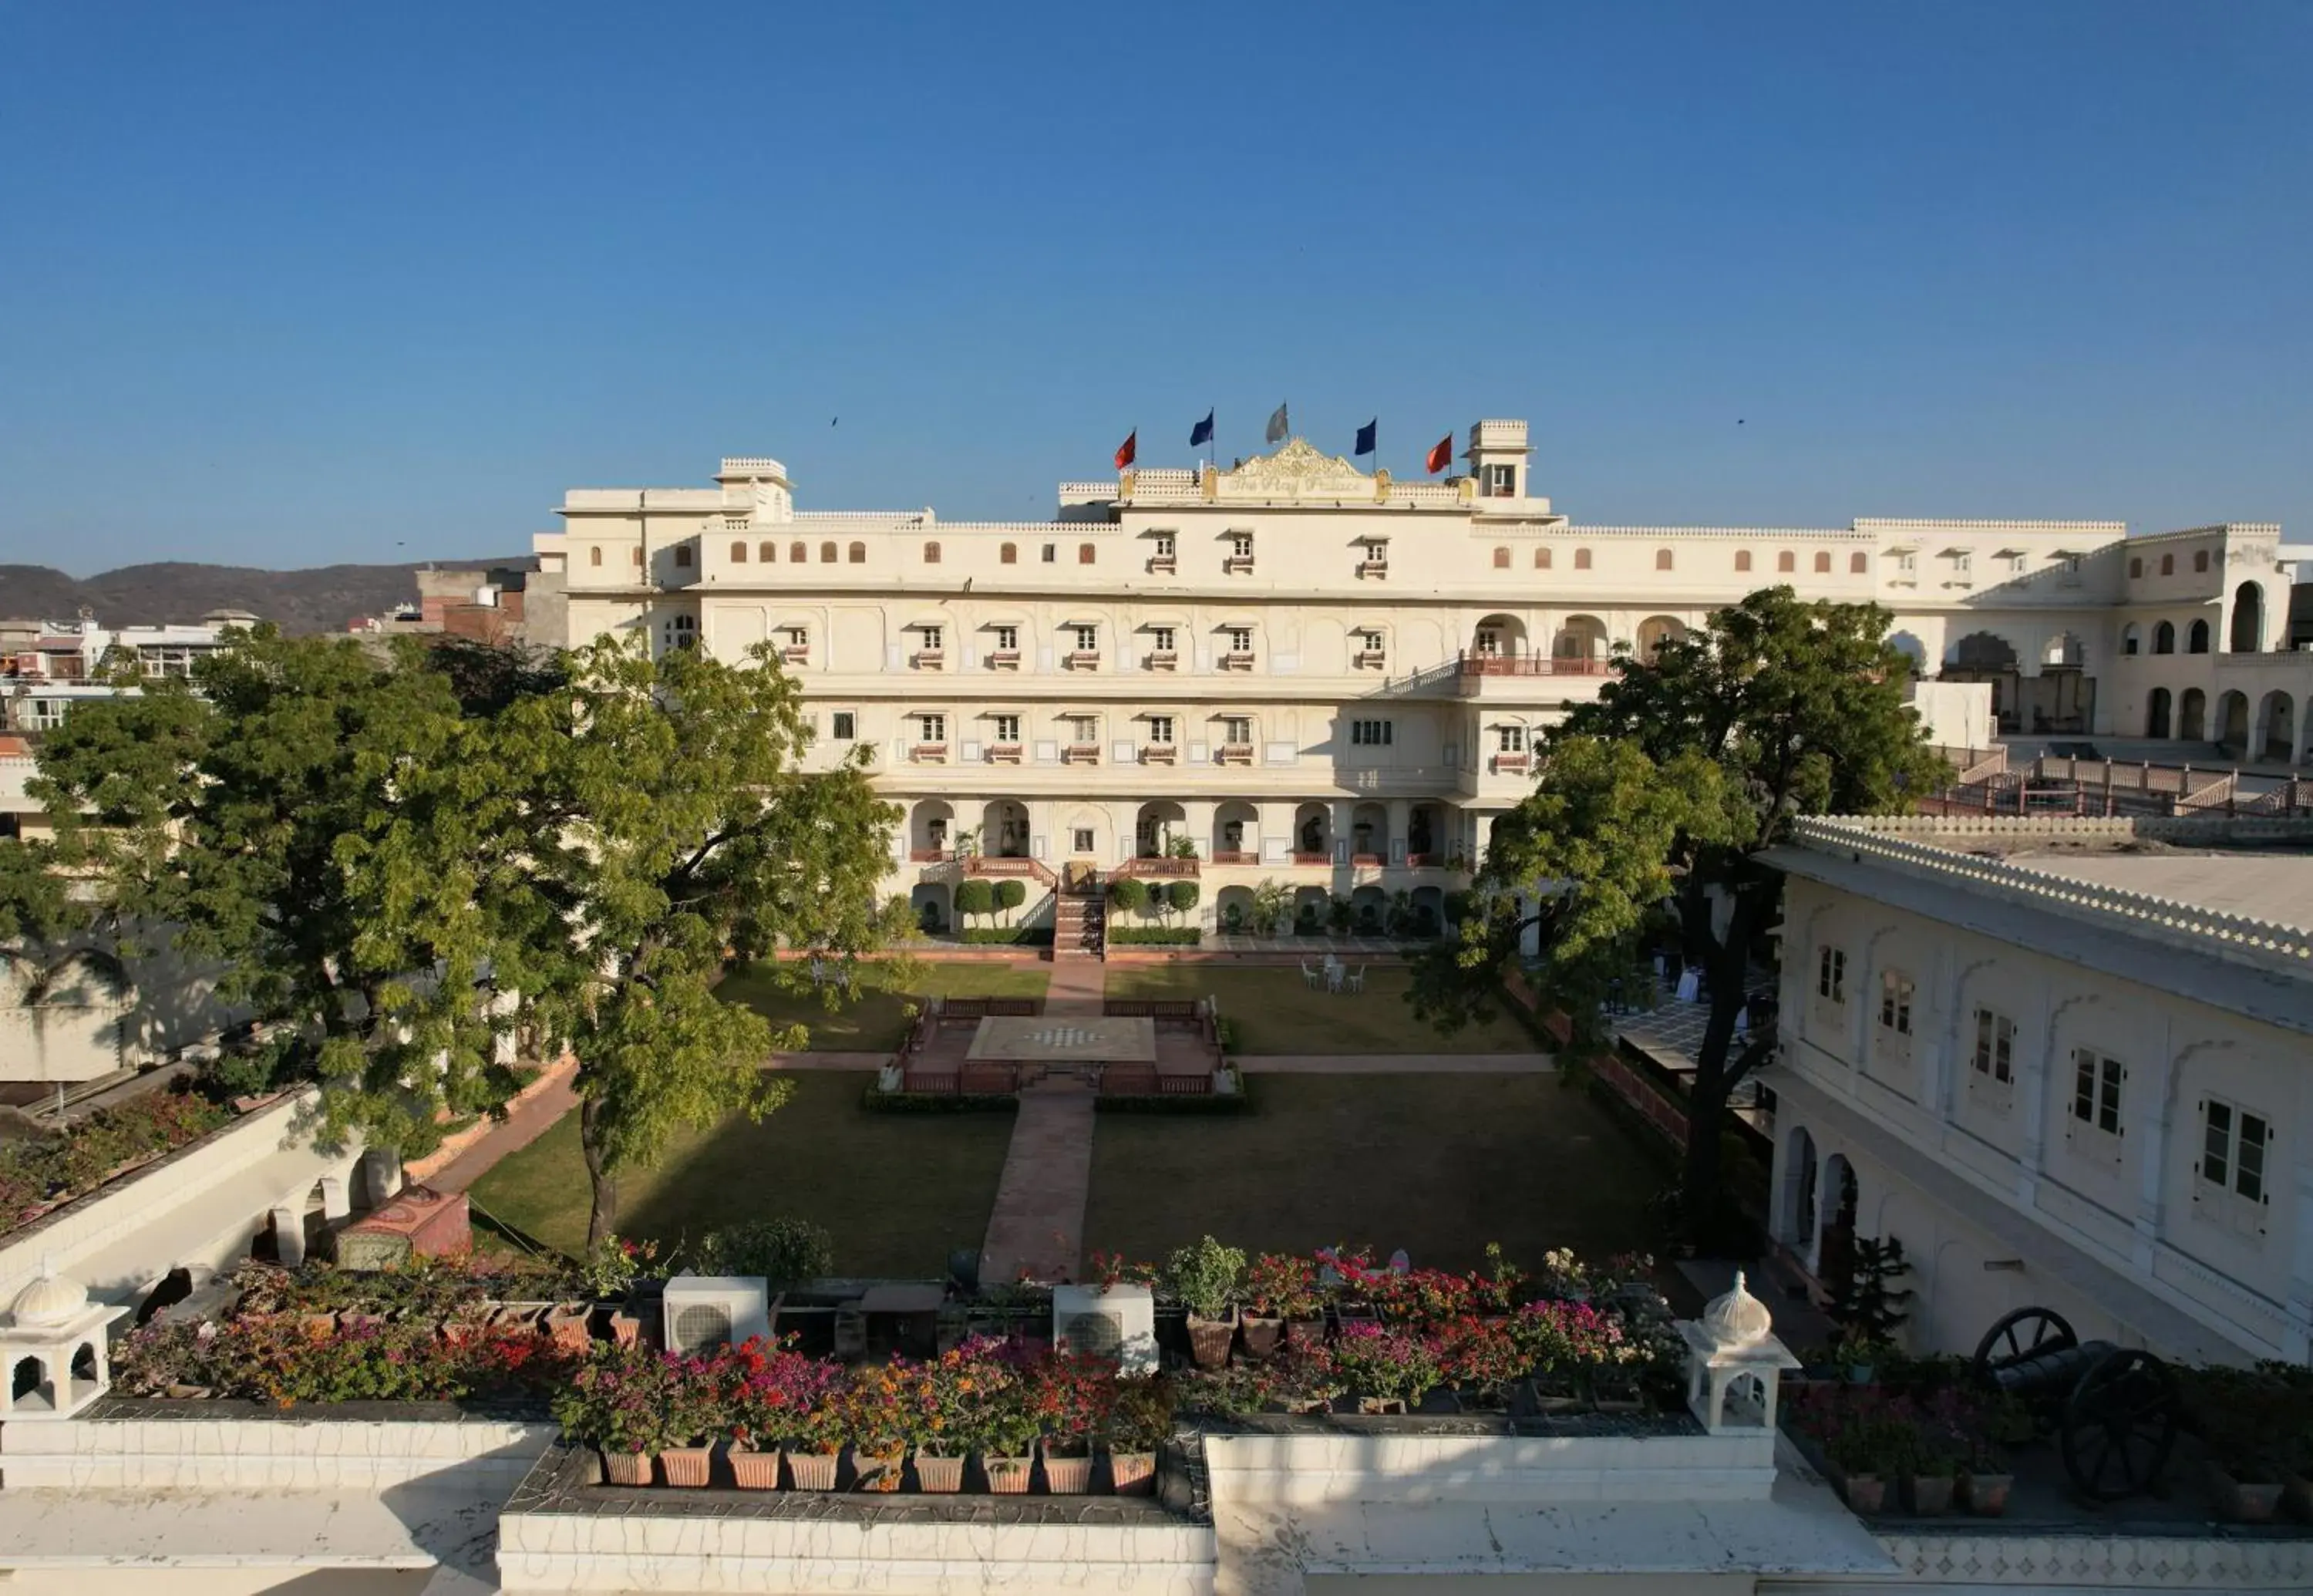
[
  {"x": 1334, "y": 977},
  {"x": 1308, "y": 974},
  {"x": 1356, "y": 979}
]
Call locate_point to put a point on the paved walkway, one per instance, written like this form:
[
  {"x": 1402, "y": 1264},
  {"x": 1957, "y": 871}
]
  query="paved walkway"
[
  {"x": 1076, "y": 988},
  {"x": 1036, "y": 1230},
  {"x": 1396, "y": 1063},
  {"x": 530, "y": 1117}
]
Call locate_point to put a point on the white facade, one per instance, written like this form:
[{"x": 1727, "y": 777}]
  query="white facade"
[
  {"x": 1315, "y": 674},
  {"x": 2066, "y": 1063},
  {"x": 46, "y": 667}
]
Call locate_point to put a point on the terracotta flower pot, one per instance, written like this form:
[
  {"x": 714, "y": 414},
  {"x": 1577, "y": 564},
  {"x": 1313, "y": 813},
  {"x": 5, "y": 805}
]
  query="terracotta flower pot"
[
  {"x": 1302, "y": 1333},
  {"x": 687, "y": 1465},
  {"x": 877, "y": 1471},
  {"x": 1929, "y": 1496},
  {"x": 1262, "y": 1334},
  {"x": 1987, "y": 1494},
  {"x": 1381, "y": 1405},
  {"x": 626, "y": 1329},
  {"x": 319, "y": 1326},
  {"x": 1008, "y": 1476},
  {"x": 2243, "y": 1502},
  {"x": 813, "y": 1471},
  {"x": 1065, "y": 1475},
  {"x": 626, "y": 1468},
  {"x": 751, "y": 1470},
  {"x": 566, "y": 1327},
  {"x": 1209, "y": 1339},
  {"x": 1132, "y": 1474},
  {"x": 1864, "y": 1493},
  {"x": 944, "y": 1475}
]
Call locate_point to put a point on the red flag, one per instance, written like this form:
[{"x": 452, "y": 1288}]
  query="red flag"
[
  {"x": 1442, "y": 456},
  {"x": 1129, "y": 449}
]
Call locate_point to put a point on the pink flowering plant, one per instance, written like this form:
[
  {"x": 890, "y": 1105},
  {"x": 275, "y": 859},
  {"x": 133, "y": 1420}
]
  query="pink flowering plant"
[
  {"x": 1387, "y": 1363},
  {"x": 780, "y": 1400}
]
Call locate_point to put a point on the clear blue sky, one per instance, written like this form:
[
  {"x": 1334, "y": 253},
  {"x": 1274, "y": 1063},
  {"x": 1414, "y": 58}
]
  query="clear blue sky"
[{"x": 287, "y": 283}]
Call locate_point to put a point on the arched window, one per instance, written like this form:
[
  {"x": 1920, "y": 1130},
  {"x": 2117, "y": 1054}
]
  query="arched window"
[
  {"x": 2248, "y": 619},
  {"x": 1742, "y": 559},
  {"x": 1582, "y": 560},
  {"x": 2196, "y": 641},
  {"x": 766, "y": 553},
  {"x": 2135, "y": 567},
  {"x": 858, "y": 553},
  {"x": 682, "y": 555},
  {"x": 1009, "y": 554},
  {"x": 1501, "y": 559},
  {"x": 2129, "y": 638},
  {"x": 2163, "y": 639},
  {"x": 595, "y": 555},
  {"x": 1662, "y": 560},
  {"x": 797, "y": 553},
  {"x": 1085, "y": 554},
  {"x": 1823, "y": 562},
  {"x": 827, "y": 553},
  {"x": 1857, "y": 565},
  {"x": 738, "y": 554},
  {"x": 1541, "y": 560},
  {"x": 1787, "y": 561},
  {"x": 2200, "y": 559},
  {"x": 2167, "y": 565},
  {"x": 931, "y": 553}
]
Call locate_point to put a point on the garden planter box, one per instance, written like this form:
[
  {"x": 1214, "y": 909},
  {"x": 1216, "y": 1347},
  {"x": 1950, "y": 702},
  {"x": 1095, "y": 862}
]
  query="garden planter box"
[
  {"x": 418, "y": 1222},
  {"x": 626, "y": 1468},
  {"x": 1132, "y": 1474},
  {"x": 2242, "y": 1502},
  {"x": 1209, "y": 1339},
  {"x": 1864, "y": 1494},
  {"x": 687, "y": 1465},
  {"x": 1986, "y": 1494},
  {"x": 1065, "y": 1475},
  {"x": 1928, "y": 1495},
  {"x": 942, "y": 1476},
  {"x": 1262, "y": 1333},
  {"x": 1302, "y": 1333},
  {"x": 751, "y": 1470},
  {"x": 877, "y": 1471},
  {"x": 813, "y": 1471},
  {"x": 1008, "y": 1476}
]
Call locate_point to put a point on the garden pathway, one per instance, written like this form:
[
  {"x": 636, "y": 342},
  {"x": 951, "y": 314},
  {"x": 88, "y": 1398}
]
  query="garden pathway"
[
  {"x": 1036, "y": 1229},
  {"x": 1396, "y": 1063}
]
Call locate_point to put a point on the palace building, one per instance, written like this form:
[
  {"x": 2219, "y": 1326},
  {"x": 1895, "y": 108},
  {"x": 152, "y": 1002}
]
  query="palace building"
[{"x": 1335, "y": 680}]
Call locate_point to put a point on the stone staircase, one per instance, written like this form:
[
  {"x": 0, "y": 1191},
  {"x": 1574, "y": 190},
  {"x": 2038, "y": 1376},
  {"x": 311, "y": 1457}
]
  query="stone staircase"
[{"x": 1080, "y": 924}]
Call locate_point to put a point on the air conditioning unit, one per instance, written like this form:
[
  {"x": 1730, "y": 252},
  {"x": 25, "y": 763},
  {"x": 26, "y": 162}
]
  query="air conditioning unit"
[
  {"x": 705, "y": 1311},
  {"x": 1118, "y": 1322}
]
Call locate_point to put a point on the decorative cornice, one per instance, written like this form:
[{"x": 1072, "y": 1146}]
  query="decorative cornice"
[{"x": 1299, "y": 466}]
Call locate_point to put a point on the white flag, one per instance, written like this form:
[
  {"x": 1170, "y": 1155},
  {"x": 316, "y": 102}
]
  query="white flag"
[{"x": 1278, "y": 425}]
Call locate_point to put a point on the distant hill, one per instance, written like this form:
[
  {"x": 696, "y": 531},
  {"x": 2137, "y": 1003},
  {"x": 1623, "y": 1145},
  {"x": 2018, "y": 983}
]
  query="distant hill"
[{"x": 321, "y": 599}]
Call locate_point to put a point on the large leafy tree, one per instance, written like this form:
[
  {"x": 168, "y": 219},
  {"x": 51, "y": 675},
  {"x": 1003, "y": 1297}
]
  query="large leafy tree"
[
  {"x": 668, "y": 825},
  {"x": 308, "y": 816},
  {"x": 1663, "y": 794}
]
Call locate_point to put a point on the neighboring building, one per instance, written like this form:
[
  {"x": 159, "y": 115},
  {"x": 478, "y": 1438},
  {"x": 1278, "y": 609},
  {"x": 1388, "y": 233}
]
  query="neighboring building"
[
  {"x": 500, "y": 604},
  {"x": 48, "y": 666},
  {"x": 1313, "y": 674},
  {"x": 2202, "y": 645},
  {"x": 2066, "y": 1063}
]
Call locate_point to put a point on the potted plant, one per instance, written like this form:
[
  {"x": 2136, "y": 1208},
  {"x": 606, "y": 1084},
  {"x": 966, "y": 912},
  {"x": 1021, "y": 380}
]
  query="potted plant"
[
  {"x": 1934, "y": 1458},
  {"x": 1866, "y": 1304},
  {"x": 1390, "y": 1369},
  {"x": 616, "y": 1403},
  {"x": 1863, "y": 1451},
  {"x": 880, "y": 1419},
  {"x": 1207, "y": 1278},
  {"x": 1004, "y": 1431},
  {"x": 2241, "y": 1414},
  {"x": 1281, "y": 1293},
  {"x": 1069, "y": 1397},
  {"x": 780, "y": 1401},
  {"x": 694, "y": 1413},
  {"x": 949, "y": 1390},
  {"x": 1139, "y": 1420},
  {"x": 1479, "y": 1360},
  {"x": 1985, "y": 1478}
]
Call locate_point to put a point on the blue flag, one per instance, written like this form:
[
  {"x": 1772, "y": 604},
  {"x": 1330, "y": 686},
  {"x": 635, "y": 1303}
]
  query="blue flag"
[
  {"x": 1202, "y": 432},
  {"x": 1366, "y": 435}
]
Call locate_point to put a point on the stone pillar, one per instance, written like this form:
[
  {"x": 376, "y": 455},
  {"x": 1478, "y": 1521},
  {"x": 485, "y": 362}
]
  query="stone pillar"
[
  {"x": 381, "y": 1171},
  {"x": 1199, "y": 824},
  {"x": 1341, "y": 813},
  {"x": 1276, "y": 822},
  {"x": 289, "y": 1234},
  {"x": 336, "y": 1201},
  {"x": 1401, "y": 815}
]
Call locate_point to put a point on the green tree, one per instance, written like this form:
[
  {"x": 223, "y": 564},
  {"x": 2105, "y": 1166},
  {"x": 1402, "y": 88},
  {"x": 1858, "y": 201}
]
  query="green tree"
[
  {"x": 316, "y": 823},
  {"x": 1130, "y": 894},
  {"x": 974, "y": 897},
  {"x": 669, "y": 824},
  {"x": 1779, "y": 708},
  {"x": 1010, "y": 894},
  {"x": 1181, "y": 895}
]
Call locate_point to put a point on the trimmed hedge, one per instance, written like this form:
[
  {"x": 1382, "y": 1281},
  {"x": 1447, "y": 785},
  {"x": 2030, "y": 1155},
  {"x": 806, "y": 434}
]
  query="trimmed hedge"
[
  {"x": 1022, "y": 936},
  {"x": 1239, "y": 1101},
  {"x": 878, "y": 1102},
  {"x": 1172, "y": 935}
]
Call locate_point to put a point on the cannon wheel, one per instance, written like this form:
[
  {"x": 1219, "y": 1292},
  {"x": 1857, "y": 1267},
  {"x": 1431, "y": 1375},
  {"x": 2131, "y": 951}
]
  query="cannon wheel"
[
  {"x": 2018, "y": 1337},
  {"x": 2119, "y": 1425}
]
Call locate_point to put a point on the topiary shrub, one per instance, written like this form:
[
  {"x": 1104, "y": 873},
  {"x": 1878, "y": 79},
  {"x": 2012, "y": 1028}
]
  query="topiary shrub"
[
  {"x": 1181, "y": 896},
  {"x": 1130, "y": 894},
  {"x": 783, "y": 1251},
  {"x": 974, "y": 899},
  {"x": 1010, "y": 894}
]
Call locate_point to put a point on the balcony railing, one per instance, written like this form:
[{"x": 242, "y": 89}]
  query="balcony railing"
[
  {"x": 1237, "y": 565},
  {"x": 984, "y": 864},
  {"x": 930, "y": 659},
  {"x": 1233, "y": 753},
  {"x": 1370, "y": 659},
  {"x": 1531, "y": 665},
  {"x": 931, "y": 856},
  {"x": 1003, "y": 753},
  {"x": 1166, "y": 563},
  {"x": 1373, "y": 568},
  {"x": 1083, "y": 659},
  {"x": 1368, "y": 861},
  {"x": 1424, "y": 861},
  {"x": 1080, "y": 754},
  {"x": 1158, "y": 865},
  {"x": 927, "y": 753},
  {"x": 1235, "y": 856},
  {"x": 1300, "y": 858},
  {"x": 1003, "y": 659},
  {"x": 1512, "y": 763},
  {"x": 1165, "y": 659},
  {"x": 796, "y": 654},
  {"x": 1238, "y": 660},
  {"x": 1159, "y": 754}
]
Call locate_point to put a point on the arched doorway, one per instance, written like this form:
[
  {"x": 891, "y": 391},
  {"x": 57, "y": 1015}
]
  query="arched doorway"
[
  {"x": 931, "y": 831},
  {"x": 1835, "y": 1246},
  {"x": 1154, "y": 828},
  {"x": 1232, "y": 910},
  {"x": 1004, "y": 829},
  {"x": 2191, "y": 713},
  {"x": 2278, "y": 716},
  {"x": 1581, "y": 640},
  {"x": 1429, "y": 911},
  {"x": 1656, "y": 631},
  {"x": 1369, "y": 834},
  {"x": 1312, "y": 835},
  {"x": 1369, "y": 911},
  {"x": 1236, "y": 830},
  {"x": 2164, "y": 637},
  {"x": 2156, "y": 714},
  {"x": 1421, "y": 832},
  {"x": 2197, "y": 638},
  {"x": 1911, "y": 649},
  {"x": 1498, "y": 637},
  {"x": 2232, "y": 722},
  {"x": 1310, "y": 904},
  {"x": 929, "y": 901},
  {"x": 2248, "y": 619},
  {"x": 1796, "y": 1214},
  {"x": 2132, "y": 639}
]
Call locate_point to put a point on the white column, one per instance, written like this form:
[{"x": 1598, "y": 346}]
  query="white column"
[
  {"x": 1199, "y": 824},
  {"x": 1401, "y": 813},
  {"x": 289, "y": 1235},
  {"x": 1342, "y": 812},
  {"x": 380, "y": 1168},
  {"x": 1276, "y": 822},
  {"x": 336, "y": 1201}
]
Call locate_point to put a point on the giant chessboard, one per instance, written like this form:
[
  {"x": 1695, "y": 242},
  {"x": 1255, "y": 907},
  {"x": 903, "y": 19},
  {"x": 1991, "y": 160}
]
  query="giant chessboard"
[{"x": 1046, "y": 1039}]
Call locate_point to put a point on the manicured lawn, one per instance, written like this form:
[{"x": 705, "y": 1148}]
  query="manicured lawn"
[
  {"x": 1274, "y": 1012},
  {"x": 1438, "y": 1165},
  {"x": 872, "y": 1023},
  {"x": 897, "y": 1191}
]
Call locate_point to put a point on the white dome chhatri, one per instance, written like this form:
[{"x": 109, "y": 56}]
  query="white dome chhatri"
[
  {"x": 1738, "y": 1320},
  {"x": 51, "y": 1300}
]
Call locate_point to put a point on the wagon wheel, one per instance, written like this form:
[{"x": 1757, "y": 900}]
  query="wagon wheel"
[
  {"x": 2119, "y": 1425},
  {"x": 2022, "y": 1335}
]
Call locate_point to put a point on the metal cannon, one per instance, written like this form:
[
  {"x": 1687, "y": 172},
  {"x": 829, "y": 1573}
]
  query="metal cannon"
[{"x": 2114, "y": 1410}]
